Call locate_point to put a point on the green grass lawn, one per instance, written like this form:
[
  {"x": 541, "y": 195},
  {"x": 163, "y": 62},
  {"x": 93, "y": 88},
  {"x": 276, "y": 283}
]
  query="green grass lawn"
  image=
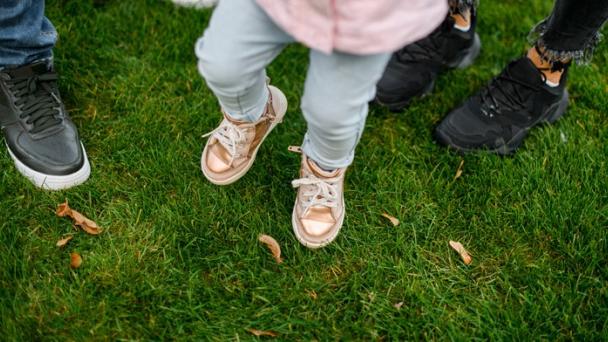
[{"x": 179, "y": 257}]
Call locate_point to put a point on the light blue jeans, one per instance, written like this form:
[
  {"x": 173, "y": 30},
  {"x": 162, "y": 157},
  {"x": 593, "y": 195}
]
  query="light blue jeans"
[
  {"x": 242, "y": 40},
  {"x": 26, "y": 35}
]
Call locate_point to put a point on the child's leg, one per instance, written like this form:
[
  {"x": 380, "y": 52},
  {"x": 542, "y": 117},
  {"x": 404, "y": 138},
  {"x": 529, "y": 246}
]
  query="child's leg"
[
  {"x": 233, "y": 53},
  {"x": 335, "y": 103},
  {"x": 239, "y": 43},
  {"x": 337, "y": 90}
]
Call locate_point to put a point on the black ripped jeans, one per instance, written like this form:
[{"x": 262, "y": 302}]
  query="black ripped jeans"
[{"x": 571, "y": 32}]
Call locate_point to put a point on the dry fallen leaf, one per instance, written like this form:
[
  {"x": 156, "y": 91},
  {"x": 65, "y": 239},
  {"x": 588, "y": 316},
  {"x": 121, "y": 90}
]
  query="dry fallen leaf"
[
  {"x": 272, "y": 245},
  {"x": 257, "y": 332},
  {"x": 80, "y": 220},
  {"x": 459, "y": 170},
  {"x": 458, "y": 247},
  {"x": 75, "y": 260},
  {"x": 63, "y": 209},
  {"x": 312, "y": 294},
  {"x": 393, "y": 219},
  {"x": 87, "y": 225},
  {"x": 398, "y": 305},
  {"x": 64, "y": 241}
]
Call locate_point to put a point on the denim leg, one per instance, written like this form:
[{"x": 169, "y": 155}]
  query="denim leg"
[
  {"x": 572, "y": 30},
  {"x": 337, "y": 91},
  {"x": 26, "y": 34},
  {"x": 233, "y": 53}
]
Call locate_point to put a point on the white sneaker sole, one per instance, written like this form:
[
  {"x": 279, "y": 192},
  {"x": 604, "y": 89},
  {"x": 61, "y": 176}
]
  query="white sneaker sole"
[
  {"x": 280, "y": 100},
  {"x": 53, "y": 182}
]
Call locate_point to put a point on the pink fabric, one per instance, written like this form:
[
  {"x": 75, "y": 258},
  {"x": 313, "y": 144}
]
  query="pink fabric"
[{"x": 356, "y": 26}]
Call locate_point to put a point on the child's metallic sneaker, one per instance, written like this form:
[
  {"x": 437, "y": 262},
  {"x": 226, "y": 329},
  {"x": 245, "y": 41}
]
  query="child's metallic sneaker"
[
  {"x": 232, "y": 147},
  {"x": 318, "y": 213}
]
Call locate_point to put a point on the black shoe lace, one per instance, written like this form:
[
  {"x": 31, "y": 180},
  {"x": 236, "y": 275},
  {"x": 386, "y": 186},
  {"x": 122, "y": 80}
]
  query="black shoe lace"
[
  {"x": 505, "y": 92},
  {"x": 36, "y": 98}
]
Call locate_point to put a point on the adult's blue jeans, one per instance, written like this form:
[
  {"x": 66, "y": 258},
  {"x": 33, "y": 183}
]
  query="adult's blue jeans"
[{"x": 26, "y": 35}]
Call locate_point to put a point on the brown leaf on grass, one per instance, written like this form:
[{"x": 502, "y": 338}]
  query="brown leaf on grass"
[
  {"x": 312, "y": 294},
  {"x": 398, "y": 305},
  {"x": 63, "y": 209},
  {"x": 272, "y": 245},
  {"x": 75, "y": 260},
  {"x": 393, "y": 219},
  {"x": 458, "y": 247},
  {"x": 64, "y": 241},
  {"x": 80, "y": 220},
  {"x": 87, "y": 225},
  {"x": 258, "y": 333},
  {"x": 459, "y": 170}
]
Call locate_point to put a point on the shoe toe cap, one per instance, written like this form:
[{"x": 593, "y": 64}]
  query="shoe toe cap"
[
  {"x": 464, "y": 128},
  {"x": 58, "y": 154},
  {"x": 317, "y": 224},
  {"x": 316, "y": 228},
  {"x": 217, "y": 159}
]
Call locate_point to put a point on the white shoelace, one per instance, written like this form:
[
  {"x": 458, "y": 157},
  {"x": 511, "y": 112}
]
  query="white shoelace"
[
  {"x": 230, "y": 136},
  {"x": 318, "y": 191}
]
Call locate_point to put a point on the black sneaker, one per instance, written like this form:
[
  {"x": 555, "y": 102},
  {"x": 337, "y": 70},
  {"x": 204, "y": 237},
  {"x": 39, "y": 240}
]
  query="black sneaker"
[
  {"x": 412, "y": 71},
  {"x": 498, "y": 117},
  {"x": 41, "y": 138}
]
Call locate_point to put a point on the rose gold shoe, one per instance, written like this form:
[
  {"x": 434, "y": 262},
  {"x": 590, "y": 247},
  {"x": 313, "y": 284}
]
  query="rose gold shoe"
[
  {"x": 318, "y": 213},
  {"x": 232, "y": 147}
]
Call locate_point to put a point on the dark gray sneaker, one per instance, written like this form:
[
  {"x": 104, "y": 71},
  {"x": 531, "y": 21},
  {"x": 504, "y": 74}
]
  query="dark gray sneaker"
[
  {"x": 41, "y": 138},
  {"x": 499, "y": 117},
  {"x": 412, "y": 71}
]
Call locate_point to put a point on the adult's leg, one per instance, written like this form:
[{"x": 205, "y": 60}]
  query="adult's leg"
[
  {"x": 26, "y": 35},
  {"x": 530, "y": 90},
  {"x": 571, "y": 32},
  {"x": 39, "y": 134}
]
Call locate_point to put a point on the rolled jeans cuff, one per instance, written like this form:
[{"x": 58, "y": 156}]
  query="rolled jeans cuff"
[{"x": 554, "y": 48}]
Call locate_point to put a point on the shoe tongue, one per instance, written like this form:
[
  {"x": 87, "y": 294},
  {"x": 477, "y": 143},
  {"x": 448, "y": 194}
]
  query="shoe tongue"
[
  {"x": 234, "y": 121},
  {"x": 524, "y": 70},
  {"x": 29, "y": 70}
]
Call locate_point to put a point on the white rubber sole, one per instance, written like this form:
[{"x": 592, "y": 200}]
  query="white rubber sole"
[
  {"x": 52, "y": 182},
  {"x": 314, "y": 244},
  {"x": 280, "y": 100}
]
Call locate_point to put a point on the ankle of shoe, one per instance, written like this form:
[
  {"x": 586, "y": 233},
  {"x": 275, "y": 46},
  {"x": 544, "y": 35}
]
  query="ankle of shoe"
[
  {"x": 551, "y": 71},
  {"x": 462, "y": 20},
  {"x": 248, "y": 113},
  {"x": 321, "y": 170}
]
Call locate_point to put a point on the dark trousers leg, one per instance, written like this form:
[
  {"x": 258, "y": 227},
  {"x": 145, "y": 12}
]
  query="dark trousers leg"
[{"x": 571, "y": 32}]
